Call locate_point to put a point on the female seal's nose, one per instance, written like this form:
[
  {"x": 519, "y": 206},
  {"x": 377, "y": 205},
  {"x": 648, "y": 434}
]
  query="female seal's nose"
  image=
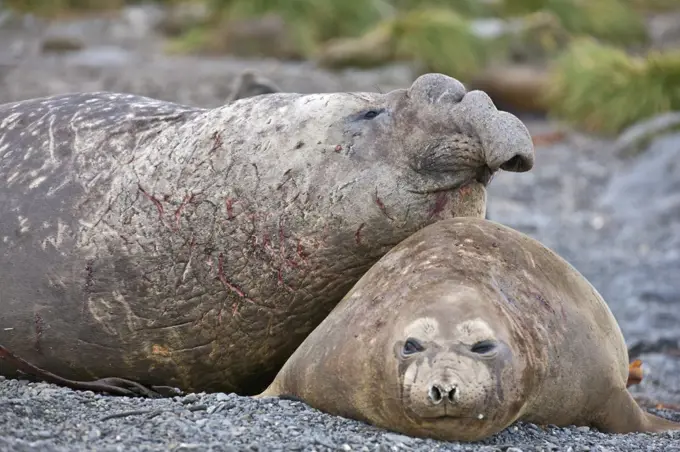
[{"x": 438, "y": 393}]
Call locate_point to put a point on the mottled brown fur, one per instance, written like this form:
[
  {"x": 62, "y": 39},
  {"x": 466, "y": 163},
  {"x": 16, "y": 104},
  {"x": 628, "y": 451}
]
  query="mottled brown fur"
[{"x": 557, "y": 355}]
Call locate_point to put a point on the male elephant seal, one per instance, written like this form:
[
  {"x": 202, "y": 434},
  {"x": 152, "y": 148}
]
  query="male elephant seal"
[
  {"x": 462, "y": 329},
  {"x": 196, "y": 248}
]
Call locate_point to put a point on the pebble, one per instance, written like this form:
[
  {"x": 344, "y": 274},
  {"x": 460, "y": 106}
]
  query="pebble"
[
  {"x": 190, "y": 398},
  {"x": 69, "y": 418}
]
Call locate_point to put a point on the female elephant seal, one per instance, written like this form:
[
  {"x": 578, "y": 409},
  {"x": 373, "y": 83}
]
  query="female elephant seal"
[
  {"x": 462, "y": 329},
  {"x": 196, "y": 248}
]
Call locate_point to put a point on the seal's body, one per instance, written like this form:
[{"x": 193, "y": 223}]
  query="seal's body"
[
  {"x": 462, "y": 329},
  {"x": 196, "y": 248}
]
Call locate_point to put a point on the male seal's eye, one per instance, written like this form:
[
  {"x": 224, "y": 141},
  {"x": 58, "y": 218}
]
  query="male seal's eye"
[
  {"x": 483, "y": 347},
  {"x": 371, "y": 114},
  {"x": 412, "y": 346}
]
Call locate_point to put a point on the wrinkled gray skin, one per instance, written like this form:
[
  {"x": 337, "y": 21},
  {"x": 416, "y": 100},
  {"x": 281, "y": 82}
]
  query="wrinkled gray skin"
[{"x": 197, "y": 248}]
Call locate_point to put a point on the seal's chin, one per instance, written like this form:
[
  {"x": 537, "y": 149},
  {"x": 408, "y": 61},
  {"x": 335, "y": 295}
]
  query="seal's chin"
[
  {"x": 443, "y": 416},
  {"x": 472, "y": 183}
]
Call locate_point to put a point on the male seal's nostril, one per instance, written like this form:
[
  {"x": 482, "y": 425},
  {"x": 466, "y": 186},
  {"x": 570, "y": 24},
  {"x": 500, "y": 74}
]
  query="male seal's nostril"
[
  {"x": 517, "y": 164},
  {"x": 435, "y": 394}
]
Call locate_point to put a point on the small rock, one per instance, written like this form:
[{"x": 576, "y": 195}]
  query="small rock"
[
  {"x": 398, "y": 438},
  {"x": 190, "y": 398},
  {"x": 62, "y": 44},
  {"x": 188, "y": 446},
  {"x": 597, "y": 222},
  {"x": 513, "y": 449},
  {"x": 49, "y": 393},
  {"x": 201, "y": 422},
  {"x": 221, "y": 397},
  {"x": 583, "y": 429},
  {"x": 636, "y": 138},
  {"x": 346, "y": 447}
]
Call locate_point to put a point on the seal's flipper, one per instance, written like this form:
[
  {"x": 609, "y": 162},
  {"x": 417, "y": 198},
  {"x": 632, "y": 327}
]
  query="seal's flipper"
[
  {"x": 623, "y": 415},
  {"x": 634, "y": 373},
  {"x": 113, "y": 386},
  {"x": 656, "y": 423}
]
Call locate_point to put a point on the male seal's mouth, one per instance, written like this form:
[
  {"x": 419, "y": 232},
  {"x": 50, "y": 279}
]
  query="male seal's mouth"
[{"x": 482, "y": 176}]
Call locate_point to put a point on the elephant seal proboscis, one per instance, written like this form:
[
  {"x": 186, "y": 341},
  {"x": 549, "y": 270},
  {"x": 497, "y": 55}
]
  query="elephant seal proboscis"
[
  {"x": 196, "y": 248},
  {"x": 462, "y": 329}
]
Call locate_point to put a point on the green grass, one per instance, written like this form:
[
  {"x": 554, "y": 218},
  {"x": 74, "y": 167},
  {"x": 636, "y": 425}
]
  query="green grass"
[
  {"x": 654, "y": 5},
  {"x": 309, "y": 23},
  {"x": 600, "y": 88},
  {"x": 53, "y": 8},
  {"x": 467, "y": 8},
  {"x": 614, "y": 21},
  {"x": 324, "y": 19},
  {"x": 442, "y": 40},
  {"x": 59, "y": 7},
  {"x": 438, "y": 38}
]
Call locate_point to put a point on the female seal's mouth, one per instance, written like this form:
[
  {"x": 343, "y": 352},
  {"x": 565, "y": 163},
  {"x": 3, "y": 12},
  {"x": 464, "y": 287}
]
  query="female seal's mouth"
[
  {"x": 451, "y": 417},
  {"x": 444, "y": 415}
]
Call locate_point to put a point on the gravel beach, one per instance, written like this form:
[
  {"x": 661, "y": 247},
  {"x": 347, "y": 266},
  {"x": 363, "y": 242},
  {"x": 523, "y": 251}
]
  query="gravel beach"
[
  {"x": 37, "y": 416},
  {"x": 615, "y": 218}
]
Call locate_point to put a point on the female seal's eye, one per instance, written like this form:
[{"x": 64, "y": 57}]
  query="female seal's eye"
[
  {"x": 371, "y": 114},
  {"x": 483, "y": 347},
  {"x": 412, "y": 346}
]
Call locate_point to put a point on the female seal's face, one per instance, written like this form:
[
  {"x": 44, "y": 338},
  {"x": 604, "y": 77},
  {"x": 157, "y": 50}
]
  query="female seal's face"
[{"x": 453, "y": 367}]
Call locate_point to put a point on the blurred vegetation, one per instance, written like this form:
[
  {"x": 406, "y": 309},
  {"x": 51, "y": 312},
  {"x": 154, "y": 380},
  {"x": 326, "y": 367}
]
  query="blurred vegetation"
[
  {"x": 591, "y": 57},
  {"x": 603, "y": 89},
  {"x": 70, "y": 7},
  {"x": 424, "y": 35},
  {"x": 614, "y": 21}
]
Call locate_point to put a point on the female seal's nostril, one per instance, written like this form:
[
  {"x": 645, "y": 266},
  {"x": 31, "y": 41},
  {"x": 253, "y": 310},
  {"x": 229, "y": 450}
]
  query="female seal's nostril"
[
  {"x": 435, "y": 394},
  {"x": 453, "y": 394}
]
